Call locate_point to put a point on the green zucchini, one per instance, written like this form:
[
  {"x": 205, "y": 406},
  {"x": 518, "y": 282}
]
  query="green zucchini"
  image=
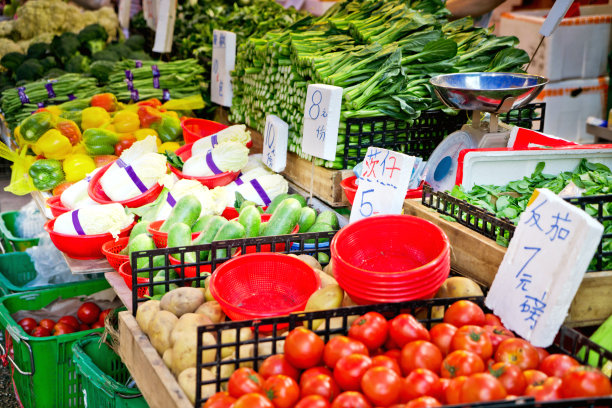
[
  {"x": 603, "y": 337},
  {"x": 139, "y": 228},
  {"x": 275, "y": 202},
  {"x": 246, "y": 204},
  {"x": 141, "y": 242},
  {"x": 300, "y": 198},
  {"x": 211, "y": 228},
  {"x": 201, "y": 223},
  {"x": 308, "y": 216},
  {"x": 180, "y": 236},
  {"x": 232, "y": 230},
  {"x": 186, "y": 210},
  {"x": 284, "y": 218},
  {"x": 250, "y": 219},
  {"x": 319, "y": 227},
  {"x": 159, "y": 261},
  {"x": 328, "y": 217}
]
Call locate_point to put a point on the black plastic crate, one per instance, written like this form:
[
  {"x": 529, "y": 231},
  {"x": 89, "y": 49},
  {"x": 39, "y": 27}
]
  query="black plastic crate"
[
  {"x": 267, "y": 342},
  {"x": 530, "y": 116}
]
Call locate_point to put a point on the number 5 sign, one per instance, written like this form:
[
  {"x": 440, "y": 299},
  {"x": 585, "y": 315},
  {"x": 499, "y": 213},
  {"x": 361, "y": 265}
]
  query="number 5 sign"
[
  {"x": 321, "y": 120},
  {"x": 383, "y": 183}
]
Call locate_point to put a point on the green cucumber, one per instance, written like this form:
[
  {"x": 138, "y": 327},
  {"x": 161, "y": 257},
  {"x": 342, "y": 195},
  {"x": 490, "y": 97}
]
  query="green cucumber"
[
  {"x": 186, "y": 210},
  {"x": 180, "y": 236},
  {"x": 161, "y": 289},
  {"x": 246, "y": 204},
  {"x": 300, "y": 198},
  {"x": 211, "y": 228},
  {"x": 139, "y": 228},
  {"x": 275, "y": 202},
  {"x": 603, "y": 337},
  {"x": 141, "y": 242},
  {"x": 250, "y": 219},
  {"x": 262, "y": 229},
  {"x": 159, "y": 261},
  {"x": 284, "y": 218},
  {"x": 172, "y": 274},
  {"x": 308, "y": 216},
  {"x": 328, "y": 217},
  {"x": 232, "y": 230},
  {"x": 319, "y": 227},
  {"x": 323, "y": 258},
  {"x": 201, "y": 223}
]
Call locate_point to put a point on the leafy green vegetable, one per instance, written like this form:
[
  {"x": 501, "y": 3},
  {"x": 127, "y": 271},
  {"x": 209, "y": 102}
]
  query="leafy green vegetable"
[{"x": 174, "y": 160}]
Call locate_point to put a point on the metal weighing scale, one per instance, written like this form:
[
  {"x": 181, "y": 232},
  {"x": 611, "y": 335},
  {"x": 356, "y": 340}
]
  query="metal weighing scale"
[{"x": 491, "y": 92}]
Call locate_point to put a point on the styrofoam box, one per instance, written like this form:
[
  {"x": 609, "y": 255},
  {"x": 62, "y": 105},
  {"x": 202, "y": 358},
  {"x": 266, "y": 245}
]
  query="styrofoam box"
[
  {"x": 577, "y": 49},
  {"x": 570, "y": 103}
]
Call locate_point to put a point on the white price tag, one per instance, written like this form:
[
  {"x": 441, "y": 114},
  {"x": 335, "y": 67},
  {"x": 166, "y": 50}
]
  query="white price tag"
[
  {"x": 124, "y": 13},
  {"x": 276, "y": 135},
  {"x": 555, "y": 15},
  {"x": 543, "y": 267},
  {"x": 321, "y": 121},
  {"x": 164, "y": 32},
  {"x": 383, "y": 183},
  {"x": 224, "y": 59}
]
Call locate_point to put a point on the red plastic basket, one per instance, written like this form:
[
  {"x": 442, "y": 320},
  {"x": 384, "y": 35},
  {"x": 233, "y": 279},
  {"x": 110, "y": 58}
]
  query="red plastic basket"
[
  {"x": 350, "y": 189},
  {"x": 222, "y": 179},
  {"x": 125, "y": 270},
  {"x": 161, "y": 238},
  {"x": 263, "y": 285},
  {"x": 56, "y": 206},
  {"x": 111, "y": 251},
  {"x": 82, "y": 246},
  {"x": 194, "y": 128},
  {"x": 97, "y": 194}
]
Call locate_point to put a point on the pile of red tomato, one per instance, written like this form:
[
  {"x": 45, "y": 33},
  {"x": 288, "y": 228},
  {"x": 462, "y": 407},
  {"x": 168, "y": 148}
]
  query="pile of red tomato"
[
  {"x": 90, "y": 316},
  {"x": 468, "y": 358}
]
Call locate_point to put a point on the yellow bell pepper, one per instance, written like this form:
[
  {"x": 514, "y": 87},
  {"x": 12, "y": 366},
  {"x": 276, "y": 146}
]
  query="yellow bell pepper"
[
  {"x": 53, "y": 145},
  {"x": 140, "y": 134},
  {"x": 171, "y": 146},
  {"x": 126, "y": 122},
  {"x": 79, "y": 149},
  {"x": 54, "y": 109},
  {"x": 77, "y": 166},
  {"x": 94, "y": 117}
]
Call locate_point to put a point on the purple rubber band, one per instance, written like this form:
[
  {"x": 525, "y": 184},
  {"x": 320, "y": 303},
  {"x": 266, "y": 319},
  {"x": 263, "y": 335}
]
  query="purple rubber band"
[
  {"x": 50, "y": 92},
  {"x": 156, "y": 82},
  {"x": 134, "y": 95},
  {"x": 239, "y": 181},
  {"x": 155, "y": 71},
  {"x": 76, "y": 223},
  {"x": 40, "y": 104},
  {"x": 133, "y": 176},
  {"x": 71, "y": 97},
  {"x": 170, "y": 200},
  {"x": 128, "y": 75},
  {"x": 22, "y": 95},
  {"x": 260, "y": 191},
  {"x": 166, "y": 95},
  {"x": 211, "y": 163},
  {"x": 213, "y": 140},
  {"x": 138, "y": 63}
]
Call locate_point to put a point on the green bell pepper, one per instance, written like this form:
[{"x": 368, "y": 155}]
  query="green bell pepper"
[
  {"x": 46, "y": 174},
  {"x": 100, "y": 141},
  {"x": 168, "y": 128},
  {"x": 34, "y": 126}
]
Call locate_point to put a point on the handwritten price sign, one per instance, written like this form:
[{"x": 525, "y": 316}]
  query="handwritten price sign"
[
  {"x": 275, "y": 143},
  {"x": 321, "y": 121},
  {"x": 383, "y": 183},
  {"x": 164, "y": 31},
  {"x": 543, "y": 267},
  {"x": 224, "y": 60}
]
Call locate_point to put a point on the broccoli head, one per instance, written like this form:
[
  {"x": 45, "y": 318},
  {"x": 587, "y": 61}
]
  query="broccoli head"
[
  {"x": 140, "y": 55},
  {"x": 101, "y": 70},
  {"x": 38, "y": 50},
  {"x": 120, "y": 49},
  {"x": 106, "y": 55},
  {"x": 77, "y": 64},
  {"x": 65, "y": 46},
  {"x": 30, "y": 70},
  {"x": 54, "y": 73},
  {"x": 136, "y": 42},
  {"x": 92, "y": 38},
  {"x": 12, "y": 60},
  {"x": 48, "y": 63}
]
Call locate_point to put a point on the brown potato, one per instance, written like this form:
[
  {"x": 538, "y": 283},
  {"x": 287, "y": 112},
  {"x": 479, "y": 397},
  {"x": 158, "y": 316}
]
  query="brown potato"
[
  {"x": 145, "y": 314},
  {"x": 187, "y": 381},
  {"x": 212, "y": 310},
  {"x": 188, "y": 325},
  {"x": 160, "y": 328},
  {"x": 184, "y": 351},
  {"x": 182, "y": 300},
  {"x": 458, "y": 286},
  {"x": 311, "y": 261}
]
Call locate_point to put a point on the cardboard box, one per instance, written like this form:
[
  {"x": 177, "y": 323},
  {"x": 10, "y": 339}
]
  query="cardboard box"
[
  {"x": 577, "y": 49},
  {"x": 570, "y": 103}
]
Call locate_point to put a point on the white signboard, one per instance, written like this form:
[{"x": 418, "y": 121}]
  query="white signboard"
[
  {"x": 224, "y": 59},
  {"x": 164, "y": 31},
  {"x": 275, "y": 135},
  {"x": 321, "y": 121}
]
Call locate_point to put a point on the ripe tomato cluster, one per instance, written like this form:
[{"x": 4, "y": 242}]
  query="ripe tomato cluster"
[
  {"x": 89, "y": 317},
  {"x": 470, "y": 357}
]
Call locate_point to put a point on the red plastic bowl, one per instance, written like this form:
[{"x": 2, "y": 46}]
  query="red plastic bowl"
[
  {"x": 369, "y": 300},
  {"x": 222, "y": 179},
  {"x": 194, "y": 128},
  {"x": 263, "y": 285},
  {"x": 350, "y": 189},
  {"x": 161, "y": 238},
  {"x": 97, "y": 194},
  {"x": 111, "y": 251},
  {"x": 280, "y": 247},
  {"x": 56, "y": 206},
  {"x": 82, "y": 246},
  {"x": 125, "y": 270}
]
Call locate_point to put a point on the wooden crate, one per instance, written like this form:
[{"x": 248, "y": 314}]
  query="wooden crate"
[{"x": 478, "y": 258}]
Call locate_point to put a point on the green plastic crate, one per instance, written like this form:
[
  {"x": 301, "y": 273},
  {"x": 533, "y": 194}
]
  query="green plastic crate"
[
  {"x": 43, "y": 371},
  {"x": 10, "y": 240},
  {"x": 103, "y": 376}
]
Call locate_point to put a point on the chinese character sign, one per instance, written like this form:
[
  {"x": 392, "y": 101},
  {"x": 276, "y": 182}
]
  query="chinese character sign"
[
  {"x": 224, "y": 59},
  {"x": 543, "y": 267},
  {"x": 383, "y": 183},
  {"x": 275, "y": 135},
  {"x": 321, "y": 121}
]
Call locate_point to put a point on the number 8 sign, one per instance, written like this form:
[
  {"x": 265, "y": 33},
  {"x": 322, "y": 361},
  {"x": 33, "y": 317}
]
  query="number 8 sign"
[{"x": 321, "y": 120}]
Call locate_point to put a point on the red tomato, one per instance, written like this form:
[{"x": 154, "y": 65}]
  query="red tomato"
[
  {"x": 351, "y": 399},
  {"x": 474, "y": 339},
  {"x": 252, "y": 400},
  {"x": 341, "y": 346},
  {"x": 492, "y": 320},
  {"x": 40, "y": 331},
  {"x": 311, "y": 372},
  {"x": 386, "y": 361},
  {"x": 482, "y": 387},
  {"x": 303, "y": 348},
  {"x": 534, "y": 377},
  {"x": 322, "y": 385},
  {"x": 497, "y": 334},
  {"x": 283, "y": 391},
  {"x": 88, "y": 313},
  {"x": 221, "y": 399},
  {"x": 542, "y": 353},
  {"x": 464, "y": 312},
  {"x": 423, "y": 402},
  {"x": 83, "y": 327},
  {"x": 371, "y": 329},
  {"x": 70, "y": 321},
  {"x": 27, "y": 324},
  {"x": 420, "y": 354},
  {"x": 421, "y": 382},
  {"x": 556, "y": 365},
  {"x": 62, "y": 328},
  {"x": 103, "y": 315},
  {"x": 452, "y": 394},
  {"x": 244, "y": 381},
  {"x": 547, "y": 390},
  {"x": 381, "y": 386},
  {"x": 123, "y": 144},
  {"x": 510, "y": 376},
  {"x": 461, "y": 362},
  {"x": 350, "y": 369},
  {"x": 97, "y": 325},
  {"x": 441, "y": 335},
  {"x": 444, "y": 382},
  {"x": 585, "y": 381},
  {"x": 47, "y": 324},
  {"x": 406, "y": 328},
  {"x": 518, "y": 351},
  {"x": 395, "y": 354},
  {"x": 313, "y": 401},
  {"x": 277, "y": 364}
]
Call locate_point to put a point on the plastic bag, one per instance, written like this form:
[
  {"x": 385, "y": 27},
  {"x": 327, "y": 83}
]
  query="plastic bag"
[
  {"x": 30, "y": 222},
  {"x": 50, "y": 265},
  {"x": 185, "y": 104},
  {"x": 21, "y": 182}
]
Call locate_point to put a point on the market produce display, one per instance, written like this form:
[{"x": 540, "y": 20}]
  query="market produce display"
[
  {"x": 93, "y": 220},
  {"x": 90, "y": 316}
]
